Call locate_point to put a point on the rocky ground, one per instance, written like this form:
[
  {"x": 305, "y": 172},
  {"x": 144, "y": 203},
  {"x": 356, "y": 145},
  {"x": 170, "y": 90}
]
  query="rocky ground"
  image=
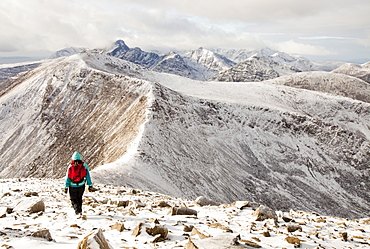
[{"x": 36, "y": 213}]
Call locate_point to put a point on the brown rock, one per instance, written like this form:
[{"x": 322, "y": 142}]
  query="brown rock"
[
  {"x": 118, "y": 226},
  {"x": 137, "y": 229},
  {"x": 188, "y": 229},
  {"x": 293, "y": 227},
  {"x": 287, "y": 219},
  {"x": 250, "y": 243},
  {"x": 45, "y": 234},
  {"x": 203, "y": 201},
  {"x": 190, "y": 245},
  {"x": 158, "y": 229},
  {"x": 293, "y": 240},
  {"x": 220, "y": 226},
  {"x": 154, "y": 220},
  {"x": 31, "y": 205},
  {"x": 196, "y": 232},
  {"x": 123, "y": 203},
  {"x": 163, "y": 204},
  {"x": 183, "y": 211},
  {"x": 3, "y": 212},
  {"x": 344, "y": 236},
  {"x": 264, "y": 213},
  {"x": 90, "y": 241}
]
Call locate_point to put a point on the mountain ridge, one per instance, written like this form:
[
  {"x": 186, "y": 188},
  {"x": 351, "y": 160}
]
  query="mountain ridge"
[
  {"x": 204, "y": 64},
  {"x": 259, "y": 141}
]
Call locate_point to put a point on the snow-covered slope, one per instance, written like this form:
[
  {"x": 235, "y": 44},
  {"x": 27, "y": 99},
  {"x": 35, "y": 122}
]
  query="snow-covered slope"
[
  {"x": 255, "y": 68},
  {"x": 355, "y": 70},
  {"x": 67, "y": 52},
  {"x": 173, "y": 63},
  {"x": 209, "y": 59},
  {"x": 327, "y": 65},
  {"x": 240, "y": 55},
  {"x": 118, "y": 212},
  {"x": 332, "y": 83},
  {"x": 62, "y": 106},
  {"x": 264, "y": 142}
]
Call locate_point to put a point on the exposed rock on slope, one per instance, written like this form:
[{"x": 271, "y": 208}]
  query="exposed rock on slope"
[
  {"x": 175, "y": 64},
  {"x": 271, "y": 156},
  {"x": 210, "y": 59},
  {"x": 63, "y": 106},
  {"x": 256, "y": 68},
  {"x": 135, "y": 55}
]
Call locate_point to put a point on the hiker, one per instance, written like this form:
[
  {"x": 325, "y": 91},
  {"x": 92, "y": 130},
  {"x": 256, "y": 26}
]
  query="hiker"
[{"x": 77, "y": 176}]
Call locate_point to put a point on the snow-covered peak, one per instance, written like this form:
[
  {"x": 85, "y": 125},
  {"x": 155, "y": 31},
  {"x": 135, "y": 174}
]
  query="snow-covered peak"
[
  {"x": 118, "y": 48},
  {"x": 255, "y": 68},
  {"x": 209, "y": 59},
  {"x": 355, "y": 70},
  {"x": 67, "y": 52}
]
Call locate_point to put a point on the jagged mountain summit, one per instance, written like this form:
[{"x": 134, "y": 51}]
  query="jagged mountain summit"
[
  {"x": 135, "y": 55},
  {"x": 266, "y": 142}
]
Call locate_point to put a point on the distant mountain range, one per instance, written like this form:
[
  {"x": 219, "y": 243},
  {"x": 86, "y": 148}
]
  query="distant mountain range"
[
  {"x": 215, "y": 64},
  {"x": 300, "y": 141}
]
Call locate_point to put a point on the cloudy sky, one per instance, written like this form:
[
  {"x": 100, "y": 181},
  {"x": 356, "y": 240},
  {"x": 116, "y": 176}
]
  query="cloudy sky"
[{"x": 317, "y": 29}]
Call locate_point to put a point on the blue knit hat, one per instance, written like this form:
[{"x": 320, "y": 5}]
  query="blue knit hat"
[{"x": 76, "y": 156}]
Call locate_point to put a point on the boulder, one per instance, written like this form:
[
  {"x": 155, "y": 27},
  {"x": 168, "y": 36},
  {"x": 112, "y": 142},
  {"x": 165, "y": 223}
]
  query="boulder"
[
  {"x": 222, "y": 241},
  {"x": 45, "y": 234},
  {"x": 293, "y": 227},
  {"x": 137, "y": 229},
  {"x": 293, "y": 240},
  {"x": 163, "y": 204},
  {"x": 183, "y": 211},
  {"x": 203, "y": 201},
  {"x": 264, "y": 213},
  {"x": 94, "y": 240},
  {"x": 31, "y": 205},
  {"x": 118, "y": 226},
  {"x": 158, "y": 230},
  {"x": 123, "y": 203},
  {"x": 196, "y": 232}
]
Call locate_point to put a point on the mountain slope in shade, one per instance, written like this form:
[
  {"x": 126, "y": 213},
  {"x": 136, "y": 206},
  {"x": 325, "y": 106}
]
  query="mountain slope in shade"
[
  {"x": 264, "y": 142},
  {"x": 355, "y": 70}
]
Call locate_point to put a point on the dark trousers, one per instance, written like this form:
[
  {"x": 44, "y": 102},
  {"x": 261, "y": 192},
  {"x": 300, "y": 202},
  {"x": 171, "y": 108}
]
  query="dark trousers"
[{"x": 75, "y": 194}]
